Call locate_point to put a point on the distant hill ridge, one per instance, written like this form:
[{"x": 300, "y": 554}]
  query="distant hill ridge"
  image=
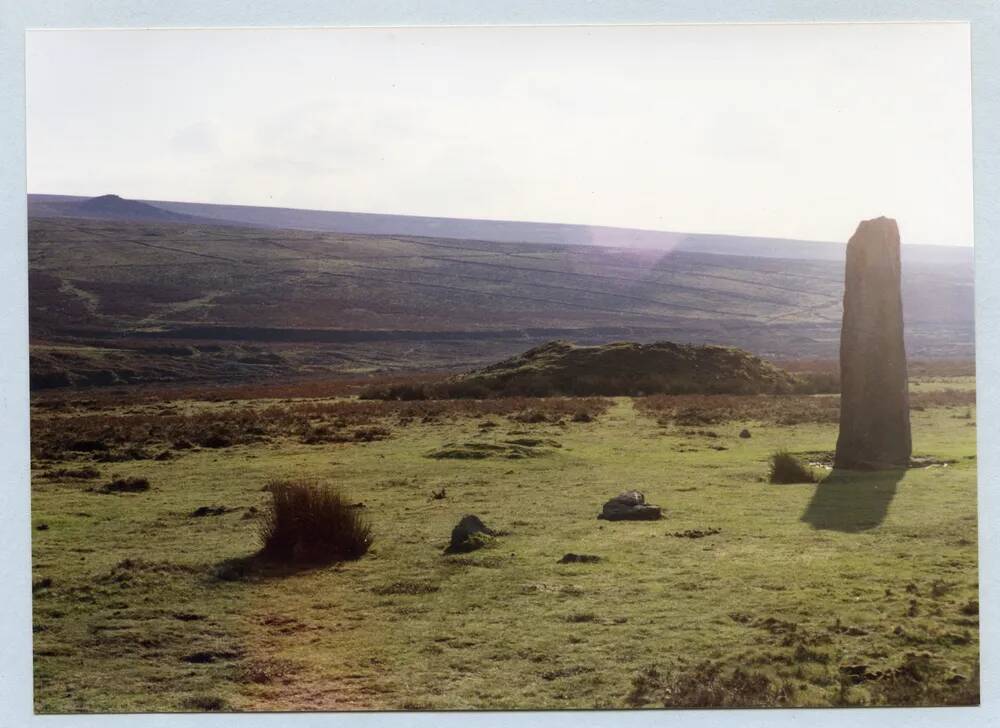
[
  {"x": 115, "y": 206},
  {"x": 112, "y": 207},
  {"x": 503, "y": 231}
]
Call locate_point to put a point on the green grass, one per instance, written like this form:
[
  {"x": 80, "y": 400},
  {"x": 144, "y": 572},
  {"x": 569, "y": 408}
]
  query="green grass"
[
  {"x": 151, "y": 609},
  {"x": 929, "y": 384}
]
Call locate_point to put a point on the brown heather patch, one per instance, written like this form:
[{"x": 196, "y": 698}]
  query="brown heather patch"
[
  {"x": 915, "y": 368},
  {"x": 118, "y": 436},
  {"x": 711, "y": 409},
  {"x": 303, "y": 388},
  {"x": 707, "y": 409}
]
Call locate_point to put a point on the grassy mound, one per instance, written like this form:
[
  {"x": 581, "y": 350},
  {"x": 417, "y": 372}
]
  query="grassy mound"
[
  {"x": 710, "y": 685},
  {"x": 620, "y": 369},
  {"x": 631, "y": 369}
]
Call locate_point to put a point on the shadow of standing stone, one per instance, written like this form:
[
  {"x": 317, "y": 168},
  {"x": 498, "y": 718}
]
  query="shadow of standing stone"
[{"x": 852, "y": 501}]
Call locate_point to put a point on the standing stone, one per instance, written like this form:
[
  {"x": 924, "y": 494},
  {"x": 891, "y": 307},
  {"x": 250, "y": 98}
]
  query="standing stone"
[{"x": 874, "y": 400}]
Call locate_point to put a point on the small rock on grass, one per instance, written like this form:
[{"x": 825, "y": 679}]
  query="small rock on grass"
[
  {"x": 630, "y": 506},
  {"x": 470, "y": 534}
]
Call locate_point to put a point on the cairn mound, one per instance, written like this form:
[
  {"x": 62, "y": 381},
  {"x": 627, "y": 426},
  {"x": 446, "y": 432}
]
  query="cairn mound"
[{"x": 629, "y": 369}]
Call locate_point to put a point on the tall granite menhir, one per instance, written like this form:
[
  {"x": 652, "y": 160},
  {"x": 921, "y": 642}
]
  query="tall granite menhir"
[{"x": 874, "y": 400}]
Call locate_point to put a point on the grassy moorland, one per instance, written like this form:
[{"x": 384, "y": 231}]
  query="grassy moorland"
[{"x": 859, "y": 590}]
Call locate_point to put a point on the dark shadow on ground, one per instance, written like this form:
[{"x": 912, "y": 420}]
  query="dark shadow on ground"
[
  {"x": 258, "y": 567},
  {"x": 852, "y": 500}
]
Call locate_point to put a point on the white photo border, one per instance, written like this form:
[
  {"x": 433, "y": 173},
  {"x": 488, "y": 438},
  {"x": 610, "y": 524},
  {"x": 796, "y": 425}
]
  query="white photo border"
[{"x": 20, "y": 16}]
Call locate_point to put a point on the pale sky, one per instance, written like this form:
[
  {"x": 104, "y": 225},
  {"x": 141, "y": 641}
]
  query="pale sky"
[{"x": 795, "y": 131}]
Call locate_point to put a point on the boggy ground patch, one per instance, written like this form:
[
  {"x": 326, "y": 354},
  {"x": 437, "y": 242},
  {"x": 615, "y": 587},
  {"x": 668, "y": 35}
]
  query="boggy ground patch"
[
  {"x": 512, "y": 450},
  {"x": 114, "y": 435},
  {"x": 202, "y": 657},
  {"x": 203, "y": 511},
  {"x": 918, "y": 678},
  {"x": 204, "y": 703},
  {"x": 267, "y": 670},
  {"x": 709, "y": 685},
  {"x": 125, "y": 485},
  {"x": 696, "y": 533},
  {"x": 84, "y": 473},
  {"x": 135, "y": 571},
  {"x": 532, "y": 442}
]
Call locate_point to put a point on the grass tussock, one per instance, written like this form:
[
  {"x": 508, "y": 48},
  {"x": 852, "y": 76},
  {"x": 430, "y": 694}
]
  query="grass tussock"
[
  {"x": 310, "y": 522},
  {"x": 786, "y": 468}
]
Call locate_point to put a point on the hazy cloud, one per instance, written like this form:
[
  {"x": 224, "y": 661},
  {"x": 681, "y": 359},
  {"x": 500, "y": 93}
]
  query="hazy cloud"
[
  {"x": 783, "y": 130},
  {"x": 199, "y": 138}
]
